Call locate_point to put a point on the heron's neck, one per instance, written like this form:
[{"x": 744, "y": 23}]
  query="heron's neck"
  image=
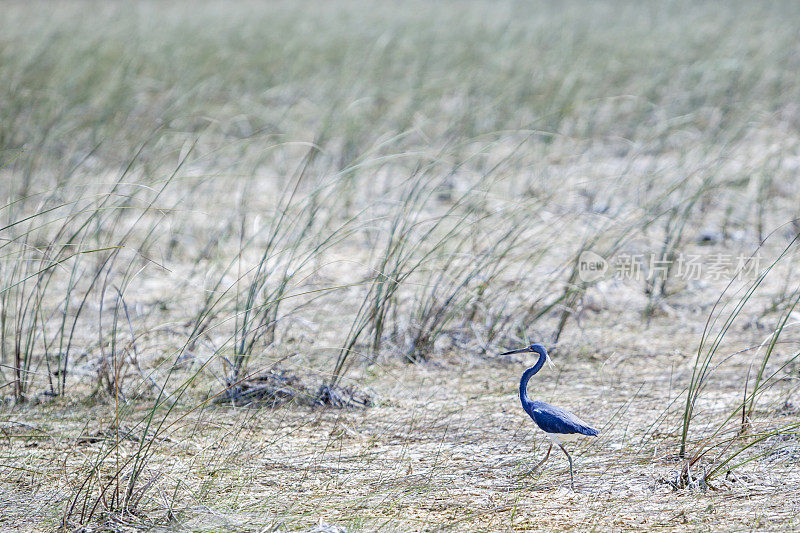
[{"x": 526, "y": 377}]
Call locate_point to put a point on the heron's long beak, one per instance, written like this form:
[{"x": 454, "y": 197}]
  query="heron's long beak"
[{"x": 516, "y": 351}]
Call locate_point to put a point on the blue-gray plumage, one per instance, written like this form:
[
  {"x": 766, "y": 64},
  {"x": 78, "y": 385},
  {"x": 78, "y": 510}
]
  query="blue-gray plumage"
[{"x": 557, "y": 423}]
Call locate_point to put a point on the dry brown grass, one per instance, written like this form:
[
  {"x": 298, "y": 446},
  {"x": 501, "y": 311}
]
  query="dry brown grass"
[{"x": 443, "y": 449}]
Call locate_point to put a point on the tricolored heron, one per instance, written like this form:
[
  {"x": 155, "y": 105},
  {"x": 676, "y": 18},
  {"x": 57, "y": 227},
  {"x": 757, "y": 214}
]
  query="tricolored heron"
[{"x": 557, "y": 423}]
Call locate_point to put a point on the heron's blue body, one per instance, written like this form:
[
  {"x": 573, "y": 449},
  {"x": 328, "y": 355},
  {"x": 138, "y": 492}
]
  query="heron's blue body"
[
  {"x": 554, "y": 421},
  {"x": 551, "y": 419}
]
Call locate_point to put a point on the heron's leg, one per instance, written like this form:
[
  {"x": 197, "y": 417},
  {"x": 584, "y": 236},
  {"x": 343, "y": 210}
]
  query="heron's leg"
[
  {"x": 571, "y": 478},
  {"x": 540, "y": 463}
]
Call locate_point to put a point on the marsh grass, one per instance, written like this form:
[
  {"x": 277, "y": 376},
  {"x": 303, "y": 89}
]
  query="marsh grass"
[
  {"x": 371, "y": 202},
  {"x": 730, "y": 448}
]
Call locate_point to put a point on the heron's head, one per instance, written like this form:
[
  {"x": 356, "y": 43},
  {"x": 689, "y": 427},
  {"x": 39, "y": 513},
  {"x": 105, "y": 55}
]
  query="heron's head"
[{"x": 533, "y": 348}]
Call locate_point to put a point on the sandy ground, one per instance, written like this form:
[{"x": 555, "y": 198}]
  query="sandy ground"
[{"x": 445, "y": 448}]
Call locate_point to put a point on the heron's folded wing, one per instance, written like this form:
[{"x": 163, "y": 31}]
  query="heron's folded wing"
[{"x": 553, "y": 419}]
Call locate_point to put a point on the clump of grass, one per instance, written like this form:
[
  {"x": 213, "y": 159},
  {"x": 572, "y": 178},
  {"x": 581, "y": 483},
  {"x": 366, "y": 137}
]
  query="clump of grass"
[
  {"x": 290, "y": 245},
  {"x": 452, "y": 292},
  {"x": 45, "y": 289},
  {"x": 726, "y": 446},
  {"x": 409, "y": 240}
]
